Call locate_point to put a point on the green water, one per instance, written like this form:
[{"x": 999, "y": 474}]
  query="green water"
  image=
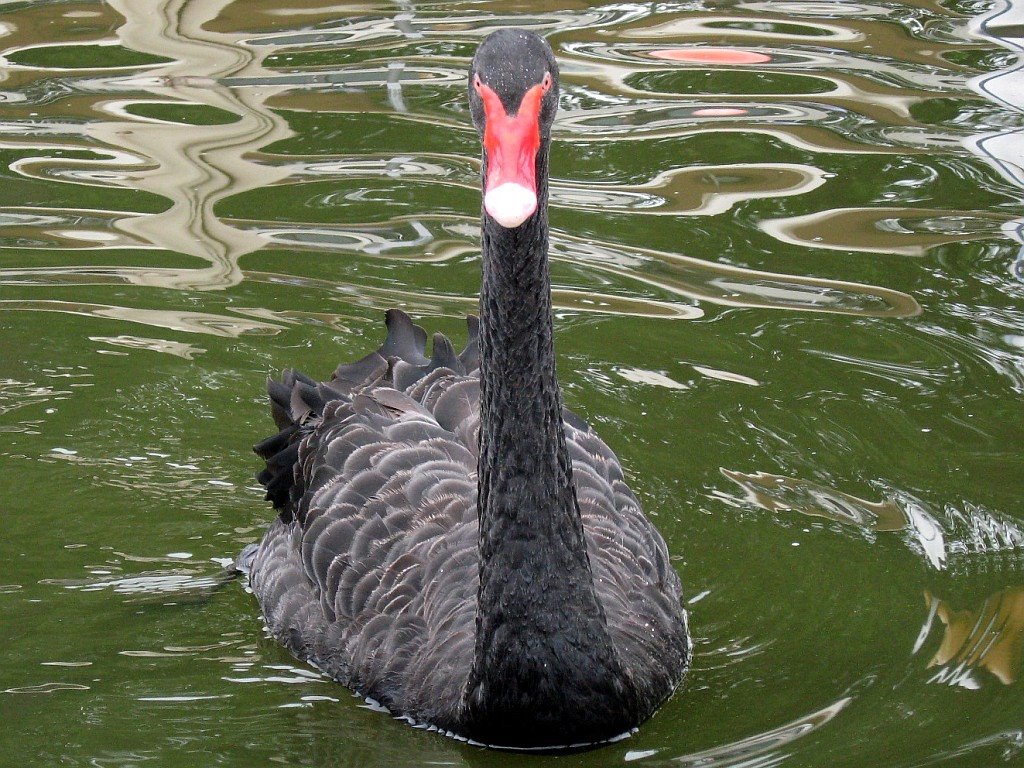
[{"x": 789, "y": 296}]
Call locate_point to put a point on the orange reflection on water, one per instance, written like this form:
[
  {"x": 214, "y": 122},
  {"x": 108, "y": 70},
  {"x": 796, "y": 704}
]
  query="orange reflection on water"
[
  {"x": 989, "y": 637},
  {"x": 711, "y": 55}
]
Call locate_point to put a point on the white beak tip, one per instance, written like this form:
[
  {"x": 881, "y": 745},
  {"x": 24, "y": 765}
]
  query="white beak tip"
[{"x": 510, "y": 204}]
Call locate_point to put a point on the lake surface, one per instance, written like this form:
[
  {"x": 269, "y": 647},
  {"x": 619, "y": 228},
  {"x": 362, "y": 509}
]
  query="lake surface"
[{"x": 787, "y": 243}]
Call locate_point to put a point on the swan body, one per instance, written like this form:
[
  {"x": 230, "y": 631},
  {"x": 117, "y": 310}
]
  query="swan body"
[{"x": 450, "y": 540}]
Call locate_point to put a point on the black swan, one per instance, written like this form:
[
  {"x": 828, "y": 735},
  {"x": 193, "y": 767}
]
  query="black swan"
[{"x": 451, "y": 541}]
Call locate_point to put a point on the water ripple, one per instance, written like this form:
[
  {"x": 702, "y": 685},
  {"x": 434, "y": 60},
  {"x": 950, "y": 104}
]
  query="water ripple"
[
  {"x": 734, "y": 286},
  {"x": 898, "y": 231},
  {"x": 175, "y": 320},
  {"x": 940, "y": 536},
  {"x": 827, "y": 192},
  {"x": 696, "y": 190},
  {"x": 766, "y": 748},
  {"x": 359, "y": 31}
]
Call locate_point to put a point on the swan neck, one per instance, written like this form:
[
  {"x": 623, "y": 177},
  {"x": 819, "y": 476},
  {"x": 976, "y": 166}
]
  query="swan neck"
[
  {"x": 542, "y": 645},
  {"x": 524, "y": 469}
]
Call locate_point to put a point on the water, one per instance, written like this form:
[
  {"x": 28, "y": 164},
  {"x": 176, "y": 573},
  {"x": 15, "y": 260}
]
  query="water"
[{"x": 789, "y": 296}]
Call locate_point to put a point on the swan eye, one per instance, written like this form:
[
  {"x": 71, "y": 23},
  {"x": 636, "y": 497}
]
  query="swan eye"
[
  {"x": 477, "y": 83},
  {"x": 546, "y": 82}
]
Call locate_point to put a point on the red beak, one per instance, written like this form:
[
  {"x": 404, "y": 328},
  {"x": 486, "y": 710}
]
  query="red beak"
[{"x": 511, "y": 143}]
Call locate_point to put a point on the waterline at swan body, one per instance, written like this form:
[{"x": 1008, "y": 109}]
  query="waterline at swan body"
[{"x": 451, "y": 541}]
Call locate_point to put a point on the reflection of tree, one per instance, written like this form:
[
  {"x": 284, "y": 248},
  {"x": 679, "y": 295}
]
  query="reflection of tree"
[
  {"x": 991, "y": 637},
  {"x": 1004, "y": 149},
  {"x": 195, "y": 166},
  {"x": 213, "y": 63}
]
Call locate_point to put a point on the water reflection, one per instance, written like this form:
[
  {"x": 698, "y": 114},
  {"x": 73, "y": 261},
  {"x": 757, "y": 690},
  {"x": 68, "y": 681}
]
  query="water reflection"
[
  {"x": 1005, "y": 149},
  {"x": 776, "y": 493},
  {"x": 945, "y": 538},
  {"x": 767, "y": 748},
  {"x": 198, "y": 165},
  {"x": 174, "y": 320},
  {"x": 15, "y": 394},
  {"x": 988, "y": 637},
  {"x": 696, "y": 190},
  {"x": 733, "y": 286},
  {"x": 176, "y": 348},
  {"x": 156, "y": 585},
  {"x": 46, "y": 688},
  {"x": 194, "y": 166},
  {"x": 897, "y": 231}
]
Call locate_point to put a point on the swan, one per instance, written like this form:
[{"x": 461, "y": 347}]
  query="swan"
[{"x": 450, "y": 541}]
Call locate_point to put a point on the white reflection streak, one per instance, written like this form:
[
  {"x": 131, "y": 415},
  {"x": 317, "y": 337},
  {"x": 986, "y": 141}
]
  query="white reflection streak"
[
  {"x": 885, "y": 230},
  {"x": 176, "y": 348},
  {"x": 762, "y": 748},
  {"x": 196, "y": 166},
  {"x": 173, "y": 320},
  {"x": 1004, "y": 151},
  {"x": 704, "y": 26},
  {"x": 727, "y": 285},
  {"x": 404, "y": 24},
  {"x": 694, "y": 190}
]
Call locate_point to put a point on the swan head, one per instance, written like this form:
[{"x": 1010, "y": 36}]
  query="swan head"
[{"x": 513, "y": 97}]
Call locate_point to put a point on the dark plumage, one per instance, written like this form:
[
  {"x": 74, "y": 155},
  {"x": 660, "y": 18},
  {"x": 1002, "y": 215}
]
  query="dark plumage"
[{"x": 451, "y": 541}]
